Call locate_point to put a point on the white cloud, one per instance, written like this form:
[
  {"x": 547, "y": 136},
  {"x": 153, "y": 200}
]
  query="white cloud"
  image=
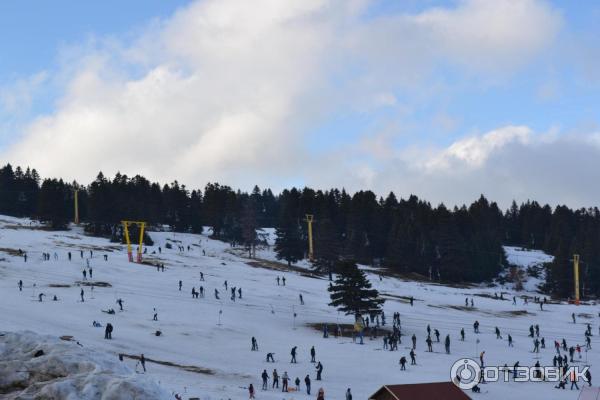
[{"x": 227, "y": 89}]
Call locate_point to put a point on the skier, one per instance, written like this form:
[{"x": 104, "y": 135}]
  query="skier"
[
  {"x": 81, "y": 294},
  {"x": 143, "y": 362},
  {"x": 413, "y": 357},
  {"x": 447, "y": 344},
  {"x": 412, "y": 300},
  {"x": 254, "y": 344},
  {"x": 481, "y": 358},
  {"x": 90, "y": 272},
  {"x": 307, "y": 383},
  {"x": 510, "y": 341},
  {"x": 270, "y": 357},
  {"x": 312, "y": 354},
  {"x": 216, "y": 294},
  {"x": 155, "y": 317},
  {"x": 277, "y": 281},
  {"x": 536, "y": 346},
  {"x": 106, "y": 257},
  {"x": 40, "y": 297},
  {"x": 239, "y": 293},
  {"x": 462, "y": 334},
  {"x": 20, "y": 285},
  {"x": 514, "y": 300},
  {"x": 69, "y": 254},
  {"x": 202, "y": 291},
  {"x": 301, "y": 299},
  {"x": 201, "y": 276},
  {"x": 120, "y": 303},
  {"x": 476, "y": 326},
  {"x": 437, "y": 335},
  {"x": 573, "y": 317},
  {"x": 84, "y": 274},
  {"x": 283, "y": 280},
  {"x": 265, "y": 378},
  {"x": 319, "y": 370},
  {"x": 293, "y": 353},
  {"x": 414, "y": 341},
  {"x": 225, "y": 284},
  {"x": 180, "y": 284},
  {"x": 251, "y": 391},
  {"x": 498, "y": 336},
  {"x": 402, "y": 363}
]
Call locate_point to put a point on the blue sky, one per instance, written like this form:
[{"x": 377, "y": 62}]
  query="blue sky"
[{"x": 369, "y": 91}]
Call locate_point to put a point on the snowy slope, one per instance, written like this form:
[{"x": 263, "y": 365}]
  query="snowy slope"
[
  {"x": 202, "y": 358},
  {"x": 530, "y": 264}
]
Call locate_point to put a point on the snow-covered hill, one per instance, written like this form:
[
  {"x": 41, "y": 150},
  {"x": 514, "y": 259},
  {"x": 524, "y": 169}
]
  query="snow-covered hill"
[{"x": 204, "y": 349}]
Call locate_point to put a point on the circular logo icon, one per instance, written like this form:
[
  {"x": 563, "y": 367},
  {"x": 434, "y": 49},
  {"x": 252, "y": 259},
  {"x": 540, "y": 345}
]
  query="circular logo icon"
[{"x": 465, "y": 373}]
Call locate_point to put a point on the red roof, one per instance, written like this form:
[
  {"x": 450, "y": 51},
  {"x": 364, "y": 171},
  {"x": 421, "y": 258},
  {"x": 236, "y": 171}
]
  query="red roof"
[{"x": 422, "y": 391}]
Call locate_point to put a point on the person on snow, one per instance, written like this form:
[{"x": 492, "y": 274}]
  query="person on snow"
[
  {"x": 84, "y": 273},
  {"x": 510, "y": 341},
  {"x": 293, "y": 353},
  {"x": 155, "y": 317},
  {"x": 251, "y": 391},
  {"x": 270, "y": 357},
  {"x": 307, "y": 383},
  {"x": 180, "y": 284},
  {"x": 297, "y": 382},
  {"x": 143, "y": 362},
  {"x": 414, "y": 341},
  {"x": 321, "y": 394},
  {"x": 254, "y": 344},
  {"x": 437, "y": 335},
  {"x": 348, "y": 394},
  {"x": 588, "y": 376},
  {"x": 81, "y": 294},
  {"x": 275, "y": 379},
  {"x": 90, "y": 270},
  {"x": 319, "y": 370},
  {"x": 413, "y": 357},
  {"x": 283, "y": 280},
  {"x": 447, "y": 344},
  {"x": 40, "y": 297},
  {"x": 498, "y": 336},
  {"x": 301, "y": 299},
  {"x": 239, "y": 293},
  {"x": 277, "y": 281},
  {"x": 265, "y": 379},
  {"x": 108, "y": 331},
  {"x": 202, "y": 291},
  {"x": 120, "y": 303},
  {"x": 476, "y": 327},
  {"x": 20, "y": 285},
  {"x": 429, "y": 342},
  {"x": 284, "y": 382},
  {"x": 216, "y": 294},
  {"x": 313, "y": 353},
  {"x": 462, "y": 334},
  {"x": 225, "y": 284},
  {"x": 402, "y": 363}
]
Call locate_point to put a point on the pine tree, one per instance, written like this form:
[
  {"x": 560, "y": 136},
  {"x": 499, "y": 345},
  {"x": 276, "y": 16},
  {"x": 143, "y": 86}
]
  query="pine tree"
[{"x": 352, "y": 292}]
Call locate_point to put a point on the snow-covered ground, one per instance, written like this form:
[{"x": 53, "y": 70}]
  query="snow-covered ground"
[
  {"x": 50, "y": 368},
  {"x": 204, "y": 350},
  {"x": 529, "y": 264}
]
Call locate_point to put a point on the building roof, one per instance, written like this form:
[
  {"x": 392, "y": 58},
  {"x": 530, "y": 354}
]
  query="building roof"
[{"x": 423, "y": 391}]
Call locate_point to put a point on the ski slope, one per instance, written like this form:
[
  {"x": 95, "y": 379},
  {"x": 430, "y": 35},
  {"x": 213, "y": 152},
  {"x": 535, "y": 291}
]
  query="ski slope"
[{"x": 205, "y": 343}]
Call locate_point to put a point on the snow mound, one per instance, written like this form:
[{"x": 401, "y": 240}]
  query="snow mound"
[{"x": 43, "y": 367}]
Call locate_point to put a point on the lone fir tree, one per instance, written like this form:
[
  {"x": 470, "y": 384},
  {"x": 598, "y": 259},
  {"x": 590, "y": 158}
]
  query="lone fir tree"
[{"x": 352, "y": 292}]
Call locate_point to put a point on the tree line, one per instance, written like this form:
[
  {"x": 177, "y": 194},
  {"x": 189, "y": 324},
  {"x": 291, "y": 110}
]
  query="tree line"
[{"x": 406, "y": 236}]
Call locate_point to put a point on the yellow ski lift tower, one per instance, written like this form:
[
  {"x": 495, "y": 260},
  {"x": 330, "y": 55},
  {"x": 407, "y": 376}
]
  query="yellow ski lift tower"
[
  {"x": 76, "y": 204},
  {"x": 309, "y": 220},
  {"x": 141, "y": 225},
  {"x": 576, "y": 276}
]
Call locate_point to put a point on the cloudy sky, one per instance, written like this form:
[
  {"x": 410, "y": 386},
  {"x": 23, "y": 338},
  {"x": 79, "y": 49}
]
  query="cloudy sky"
[{"x": 443, "y": 99}]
